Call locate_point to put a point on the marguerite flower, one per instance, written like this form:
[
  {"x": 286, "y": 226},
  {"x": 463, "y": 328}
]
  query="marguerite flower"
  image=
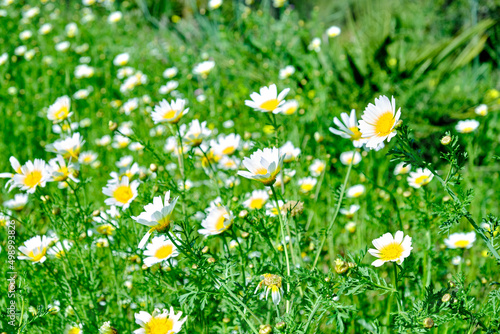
[
  {"x": 348, "y": 128},
  {"x": 17, "y": 168},
  {"x": 69, "y": 147},
  {"x": 306, "y": 184},
  {"x": 159, "y": 249},
  {"x": 333, "y": 31},
  {"x": 33, "y": 174},
  {"x": 17, "y": 203},
  {"x": 60, "y": 248},
  {"x": 61, "y": 171},
  {"x": 355, "y": 191},
  {"x": 317, "y": 167},
  {"x": 226, "y": 145},
  {"x": 171, "y": 72},
  {"x": 289, "y": 107},
  {"x": 218, "y": 220},
  {"x": 196, "y": 133},
  {"x": 121, "y": 192},
  {"x": 402, "y": 168},
  {"x": 214, "y": 4},
  {"x": 378, "y": 121},
  {"x": 204, "y": 68},
  {"x": 481, "y": 110},
  {"x": 169, "y": 112},
  {"x": 156, "y": 215},
  {"x": 346, "y": 158},
  {"x": 467, "y": 126},
  {"x": 349, "y": 213},
  {"x": 86, "y": 158},
  {"x": 287, "y": 72},
  {"x": 391, "y": 249},
  {"x": 268, "y": 100},
  {"x": 291, "y": 152},
  {"x": 263, "y": 165},
  {"x": 272, "y": 283},
  {"x": 460, "y": 240},
  {"x": 256, "y": 200},
  {"x": 420, "y": 178},
  {"x": 35, "y": 249},
  {"x": 121, "y": 59},
  {"x": 60, "y": 110},
  {"x": 159, "y": 323}
]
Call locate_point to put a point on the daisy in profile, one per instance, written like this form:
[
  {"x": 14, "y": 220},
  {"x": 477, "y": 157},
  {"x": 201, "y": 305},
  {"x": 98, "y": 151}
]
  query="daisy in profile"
[
  {"x": 60, "y": 248},
  {"x": 307, "y": 184},
  {"x": 121, "y": 59},
  {"x": 291, "y": 152},
  {"x": 348, "y": 128},
  {"x": 121, "y": 192},
  {"x": 226, "y": 145},
  {"x": 196, "y": 133},
  {"x": 156, "y": 215},
  {"x": 214, "y": 4},
  {"x": 171, "y": 72},
  {"x": 159, "y": 249},
  {"x": 16, "y": 166},
  {"x": 287, "y": 72},
  {"x": 61, "y": 171},
  {"x": 420, "y": 178},
  {"x": 256, "y": 200},
  {"x": 74, "y": 329},
  {"x": 159, "y": 322},
  {"x": 268, "y": 100},
  {"x": 87, "y": 158},
  {"x": 355, "y": 191},
  {"x": 271, "y": 209},
  {"x": 218, "y": 220},
  {"x": 378, "y": 121},
  {"x": 169, "y": 112},
  {"x": 204, "y": 68},
  {"x": 346, "y": 158},
  {"x": 315, "y": 44},
  {"x": 460, "y": 240},
  {"x": 33, "y": 174},
  {"x": 317, "y": 167},
  {"x": 402, "y": 168},
  {"x": 229, "y": 163},
  {"x": 391, "y": 249},
  {"x": 289, "y": 107},
  {"x": 17, "y": 203},
  {"x": 115, "y": 17},
  {"x": 263, "y": 165},
  {"x": 481, "y": 110},
  {"x": 35, "y": 249},
  {"x": 271, "y": 283},
  {"x": 60, "y": 110},
  {"x": 333, "y": 31},
  {"x": 69, "y": 147},
  {"x": 467, "y": 126},
  {"x": 349, "y": 213},
  {"x": 107, "y": 329}
]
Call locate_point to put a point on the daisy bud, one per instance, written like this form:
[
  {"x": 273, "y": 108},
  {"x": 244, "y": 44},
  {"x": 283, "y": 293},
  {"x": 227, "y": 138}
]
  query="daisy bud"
[
  {"x": 318, "y": 137},
  {"x": 56, "y": 211},
  {"x": 265, "y": 329},
  {"x": 281, "y": 325},
  {"x": 428, "y": 323},
  {"x": 340, "y": 266},
  {"x": 112, "y": 126},
  {"x": 245, "y": 235},
  {"x": 211, "y": 260},
  {"x": 398, "y": 124},
  {"x": 205, "y": 250},
  {"x": 446, "y": 298},
  {"x": 194, "y": 266},
  {"x": 96, "y": 213},
  {"x": 153, "y": 168},
  {"x": 327, "y": 279},
  {"x": 445, "y": 140},
  {"x": 451, "y": 284}
]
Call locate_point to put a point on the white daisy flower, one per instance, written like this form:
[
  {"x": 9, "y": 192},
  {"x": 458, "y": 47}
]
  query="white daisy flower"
[
  {"x": 272, "y": 283},
  {"x": 84, "y": 71},
  {"x": 348, "y": 128},
  {"x": 45, "y": 28},
  {"x": 291, "y": 152},
  {"x": 391, "y": 249},
  {"x": 317, "y": 167},
  {"x": 229, "y": 163},
  {"x": 160, "y": 249},
  {"x": 35, "y": 249},
  {"x": 256, "y": 200},
  {"x": 71, "y": 29},
  {"x": 287, "y": 72},
  {"x": 460, "y": 240},
  {"x": 315, "y": 44},
  {"x": 226, "y": 145},
  {"x": 61, "y": 171},
  {"x": 170, "y": 86},
  {"x": 120, "y": 141},
  {"x": 88, "y": 157},
  {"x": 214, "y": 4},
  {"x": 349, "y": 213},
  {"x": 82, "y": 94},
  {"x": 271, "y": 209},
  {"x": 268, "y": 100},
  {"x": 204, "y": 68},
  {"x": 17, "y": 203},
  {"x": 347, "y": 157},
  {"x": 121, "y": 193},
  {"x": 401, "y": 168},
  {"x": 156, "y": 215},
  {"x": 60, "y": 248},
  {"x": 378, "y": 121},
  {"x": 481, "y": 110},
  {"x": 60, "y": 110},
  {"x": 169, "y": 112},
  {"x": 33, "y": 174},
  {"x": 333, "y": 31},
  {"x": 115, "y": 17},
  {"x": 263, "y": 165},
  {"x": 164, "y": 322},
  {"x": 467, "y": 126},
  {"x": 355, "y": 191},
  {"x": 289, "y": 107},
  {"x": 196, "y": 133},
  {"x": 420, "y": 178},
  {"x": 16, "y": 166},
  {"x": 69, "y": 147},
  {"x": 171, "y": 72},
  {"x": 130, "y": 106},
  {"x": 121, "y": 59},
  {"x": 307, "y": 184},
  {"x": 218, "y": 220}
]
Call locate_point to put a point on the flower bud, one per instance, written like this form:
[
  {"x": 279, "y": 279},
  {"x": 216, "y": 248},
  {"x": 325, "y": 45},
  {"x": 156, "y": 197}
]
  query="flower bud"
[
  {"x": 96, "y": 213},
  {"x": 153, "y": 168},
  {"x": 245, "y": 235},
  {"x": 446, "y": 298},
  {"x": 445, "y": 140},
  {"x": 205, "y": 250},
  {"x": 428, "y": 323},
  {"x": 112, "y": 126},
  {"x": 226, "y": 320},
  {"x": 211, "y": 260},
  {"x": 281, "y": 325},
  {"x": 56, "y": 211},
  {"x": 265, "y": 329}
]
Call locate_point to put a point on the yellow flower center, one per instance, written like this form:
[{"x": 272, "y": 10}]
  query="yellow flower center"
[
  {"x": 33, "y": 178},
  {"x": 422, "y": 180},
  {"x": 384, "y": 124},
  {"x": 123, "y": 194},
  {"x": 462, "y": 243},
  {"x": 261, "y": 171},
  {"x": 159, "y": 326},
  {"x": 270, "y": 105},
  {"x": 62, "y": 174},
  {"x": 219, "y": 225},
  {"x": 62, "y": 113},
  {"x": 229, "y": 150},
  {"x": 106, "y": 229},
  {"x": 467, "y": 129},
  {"x": 169, "y": 114},
  {"x": 356, "y": 134},
  {"x": 306, "y": 187},
  {"x": 38, "y": 257},
  {"x": 357, "y": 194},
  {"x": 74, "y": 330},
  {"x": 256, "y": 203},
  {"x": 392, "y": 251},
  {"x": 290, "y": 110},
  {"x": 164, "y": 252}
]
